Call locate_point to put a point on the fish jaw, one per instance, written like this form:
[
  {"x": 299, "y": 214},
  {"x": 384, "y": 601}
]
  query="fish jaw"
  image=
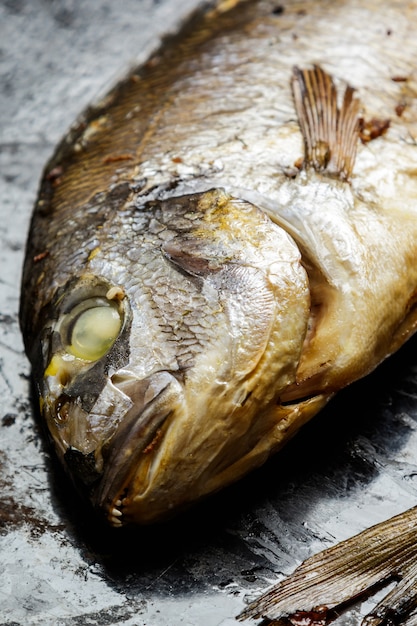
[{"x": 127, "y": 456}]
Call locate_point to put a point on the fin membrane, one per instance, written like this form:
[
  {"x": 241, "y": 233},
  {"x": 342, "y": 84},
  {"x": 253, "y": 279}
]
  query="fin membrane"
[
  {"x": 332, "y": 579},
  {"x": 330, "y": 132}
]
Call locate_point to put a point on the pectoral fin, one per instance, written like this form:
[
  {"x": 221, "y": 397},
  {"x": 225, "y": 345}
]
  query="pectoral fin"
[{"x": 328, "y": 581}]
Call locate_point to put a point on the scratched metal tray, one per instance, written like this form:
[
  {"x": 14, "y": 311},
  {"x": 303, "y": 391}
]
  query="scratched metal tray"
[{"x": 353, "y": 466}]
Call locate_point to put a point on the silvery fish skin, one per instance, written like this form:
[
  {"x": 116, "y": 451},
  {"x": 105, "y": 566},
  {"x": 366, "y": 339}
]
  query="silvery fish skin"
[{"x": 214, "y": 253}]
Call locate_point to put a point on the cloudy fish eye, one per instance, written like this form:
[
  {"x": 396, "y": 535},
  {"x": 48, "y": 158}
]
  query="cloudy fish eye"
[{"x": 92, "y": 328}]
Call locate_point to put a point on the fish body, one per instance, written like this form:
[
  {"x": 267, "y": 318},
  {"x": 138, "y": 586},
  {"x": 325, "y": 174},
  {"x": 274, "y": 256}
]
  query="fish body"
[{"x": 214, "y": 253}]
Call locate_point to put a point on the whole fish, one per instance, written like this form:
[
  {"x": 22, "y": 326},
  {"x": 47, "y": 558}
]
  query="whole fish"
[{"x": 222, "y": 243}]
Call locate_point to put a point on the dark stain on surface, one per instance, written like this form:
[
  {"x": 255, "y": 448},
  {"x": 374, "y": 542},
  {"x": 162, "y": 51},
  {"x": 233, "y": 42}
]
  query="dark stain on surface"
[
  {"x": 9, "y": 419},
  {"x": 7, "y": 320},
  {"x": 14, "y": 6},
  {"x": 14, "y": 515}
]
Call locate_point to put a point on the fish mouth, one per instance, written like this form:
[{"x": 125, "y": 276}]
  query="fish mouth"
[{"x": 128, "y": 455}]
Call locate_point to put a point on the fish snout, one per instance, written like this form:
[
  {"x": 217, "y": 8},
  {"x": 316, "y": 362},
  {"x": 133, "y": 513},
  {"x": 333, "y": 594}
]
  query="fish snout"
[{"x": 101, "y": 439}]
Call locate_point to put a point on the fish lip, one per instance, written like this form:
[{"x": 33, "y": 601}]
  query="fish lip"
[{"x": 122, "y": 453}]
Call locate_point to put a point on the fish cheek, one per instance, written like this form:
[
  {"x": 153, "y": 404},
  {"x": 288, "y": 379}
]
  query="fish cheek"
[{"x": 247, "y": 304}]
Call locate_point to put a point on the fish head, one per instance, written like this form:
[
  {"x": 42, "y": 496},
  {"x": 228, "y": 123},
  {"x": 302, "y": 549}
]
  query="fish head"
[{"x": 165, "y": 358}]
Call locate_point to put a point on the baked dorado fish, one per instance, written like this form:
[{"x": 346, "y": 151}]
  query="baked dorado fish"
[{"x": 222, "y": 243}]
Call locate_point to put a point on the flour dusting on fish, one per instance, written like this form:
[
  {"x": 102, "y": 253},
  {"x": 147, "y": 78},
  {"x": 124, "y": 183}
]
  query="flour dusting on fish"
[{"x": 222, "y": 244}]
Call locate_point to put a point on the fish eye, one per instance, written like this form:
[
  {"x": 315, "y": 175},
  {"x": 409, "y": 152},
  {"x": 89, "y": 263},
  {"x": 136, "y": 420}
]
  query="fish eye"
[{"x": 91, "y": 328}]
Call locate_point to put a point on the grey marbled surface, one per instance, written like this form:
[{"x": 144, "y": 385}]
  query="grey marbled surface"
[{"x": 353, "y": 466}]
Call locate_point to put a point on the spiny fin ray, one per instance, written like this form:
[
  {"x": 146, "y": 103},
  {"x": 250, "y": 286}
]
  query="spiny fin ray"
[
  {"x": 330, "y": 133},
  {"x": 337, "y": 576}
]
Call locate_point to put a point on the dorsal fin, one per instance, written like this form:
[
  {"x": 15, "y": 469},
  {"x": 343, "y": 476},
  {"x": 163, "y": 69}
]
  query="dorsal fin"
[{"x": 330, "y": 133}]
